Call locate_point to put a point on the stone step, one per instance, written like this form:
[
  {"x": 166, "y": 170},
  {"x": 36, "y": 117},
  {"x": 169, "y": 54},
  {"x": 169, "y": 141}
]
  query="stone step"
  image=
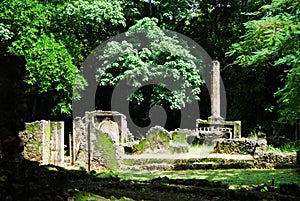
[
  {"x": 186, "y": 157},
  {"x": 148, "y": 167},
  {"x": 185, "y": 161},
  {"x": 188, "y": 166}
]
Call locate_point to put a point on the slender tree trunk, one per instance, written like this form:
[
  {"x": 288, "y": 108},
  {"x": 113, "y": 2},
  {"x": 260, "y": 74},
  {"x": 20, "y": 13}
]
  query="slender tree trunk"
[{"x": 33, "y": 114}]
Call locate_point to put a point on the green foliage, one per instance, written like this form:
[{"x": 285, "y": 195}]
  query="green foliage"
[
  {"x": 289, "y": 96},
  {"x": 5, "y": 36},
  {"x": 273, "y": 41},
  {"x": 163, "y": 57},
  {"x": 171, "y": 14},
  {"x": 73, "y": 29},
  {"x": 5, "y": 33},
  {"x": 49, "y": 68},
  {"x": 55, "y": 37},
  {"x": 84, "y": 24},
  {"x": 290, "y": 147}
]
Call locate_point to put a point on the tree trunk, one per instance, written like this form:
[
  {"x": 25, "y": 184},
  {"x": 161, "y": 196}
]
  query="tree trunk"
[{"x": 12, "y": 106}]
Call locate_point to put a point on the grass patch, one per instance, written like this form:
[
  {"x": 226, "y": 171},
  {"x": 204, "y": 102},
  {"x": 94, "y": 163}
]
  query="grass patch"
[
  {"x": 231, "y": 177},
  {"x": 87, "y": 196},
  {"x": 201, "y": 149},
  {"x": 290, "y": 147}
]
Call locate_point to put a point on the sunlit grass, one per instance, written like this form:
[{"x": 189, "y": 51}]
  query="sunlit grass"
[
  {"x": 200, "y": 149},
  {"x": 291, "y": 147},
  {"x": 87, "y": 196},
  {"x": 230, "y": 177}
]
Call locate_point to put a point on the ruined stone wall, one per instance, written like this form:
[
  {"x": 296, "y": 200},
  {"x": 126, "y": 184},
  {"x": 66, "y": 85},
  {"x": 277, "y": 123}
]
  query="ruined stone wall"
[
  {"x": 12, "y": 106},
  {"x": 44, "y": 142},
  {"x": 240, "y": 146},
  {"x": 95, "y": 141}
]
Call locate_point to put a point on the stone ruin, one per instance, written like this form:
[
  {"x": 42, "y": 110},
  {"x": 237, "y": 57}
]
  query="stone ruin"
[
  {"x": 216, "y": 127},
  {"x": 43, "y": 142},
  {"x": 101, "y": 138},
  {"x": 160, "y": 141},
  {"x": 96, "y": 139}
]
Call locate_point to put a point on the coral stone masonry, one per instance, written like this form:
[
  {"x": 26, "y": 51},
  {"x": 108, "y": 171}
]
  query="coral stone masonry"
[
  {"x": 96, "y": 139},
  {"x": 216, "y": 127},
  {"x": 44, "y": 142}
]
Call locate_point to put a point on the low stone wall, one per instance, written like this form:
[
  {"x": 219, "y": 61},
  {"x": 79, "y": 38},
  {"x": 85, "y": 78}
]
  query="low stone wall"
[
  {"x": 44, "y": 142},
  {"x": 240, "y": 146},
  {"x": 269, "y": 157},
  {"x": 160, "y": 141}
]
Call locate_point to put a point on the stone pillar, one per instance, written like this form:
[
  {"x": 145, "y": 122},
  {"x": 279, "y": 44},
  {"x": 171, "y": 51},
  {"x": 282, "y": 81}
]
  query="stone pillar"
[
  {"x": 123, "y": 127},
  {"x": 57, "y": 143},
  {"x": 215, "y": 93},
  {"x": 76, "y": 138}
]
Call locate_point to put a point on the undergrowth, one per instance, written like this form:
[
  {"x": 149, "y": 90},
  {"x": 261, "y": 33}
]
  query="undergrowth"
[{"x": 290, "y": 147}]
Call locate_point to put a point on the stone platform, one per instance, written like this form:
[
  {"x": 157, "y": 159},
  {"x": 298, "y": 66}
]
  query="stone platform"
[
  {"x": 184, "y": 161},
  {"x": 188, "y": 156}
]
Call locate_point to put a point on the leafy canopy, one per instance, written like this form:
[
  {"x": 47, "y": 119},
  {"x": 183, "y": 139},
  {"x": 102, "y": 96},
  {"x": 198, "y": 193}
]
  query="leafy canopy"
[
  {"x": 55, "y": 37},
  {"x": 273, "y": 41},
  {"x": 157, "y": 55}
]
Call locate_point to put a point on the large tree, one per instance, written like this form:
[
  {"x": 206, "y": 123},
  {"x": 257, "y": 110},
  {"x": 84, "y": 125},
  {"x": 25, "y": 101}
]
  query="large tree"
[
  {"x": 151, "y": 55},
  {"x": 55, "y": 37},
  {"x": 272, "y": 43}
]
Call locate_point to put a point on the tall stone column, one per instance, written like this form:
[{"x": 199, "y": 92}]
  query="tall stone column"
[
  {"x": 216, "y": 127},
  {"x": 215, "y": 93}
]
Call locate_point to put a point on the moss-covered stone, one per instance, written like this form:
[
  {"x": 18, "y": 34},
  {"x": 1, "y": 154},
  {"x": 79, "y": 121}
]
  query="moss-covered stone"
[
  {"x": 179, "y": 142},
  {"x": 43, "y": 142},
  {"x": 157, "y": 141},
  {"x": 32, "y": 139},
  {"x": 239, "y": 146},
  {"x": 105, "y": 145}
]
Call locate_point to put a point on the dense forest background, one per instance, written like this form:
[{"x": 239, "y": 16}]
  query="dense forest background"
[{"x": 256, "y": 41}]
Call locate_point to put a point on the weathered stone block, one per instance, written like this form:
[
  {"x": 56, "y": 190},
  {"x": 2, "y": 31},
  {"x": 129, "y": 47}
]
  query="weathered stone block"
[
  {"x": 179, "y": 140},
  {"x": 44, "y": 142},
  {"x": 85, "y": 147},
  {"x": 111, "y": 128},
  {"x": 218, "y": 129},
  {"x": 157, "y": 141},
  {"x": 105, "y": 151},
  {"x": 32, "y": 139},
  {"x": 240, "y": 146}
]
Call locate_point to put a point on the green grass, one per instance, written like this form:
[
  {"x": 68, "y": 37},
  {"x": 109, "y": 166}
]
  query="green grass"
[
  {"x": 86, "y": 196},
  {"x": 286, "y": 148},
  {"x": 200, "y": 149},
  {"x": 232, "y": 177},
  {"x": 236, "y": 179}
]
